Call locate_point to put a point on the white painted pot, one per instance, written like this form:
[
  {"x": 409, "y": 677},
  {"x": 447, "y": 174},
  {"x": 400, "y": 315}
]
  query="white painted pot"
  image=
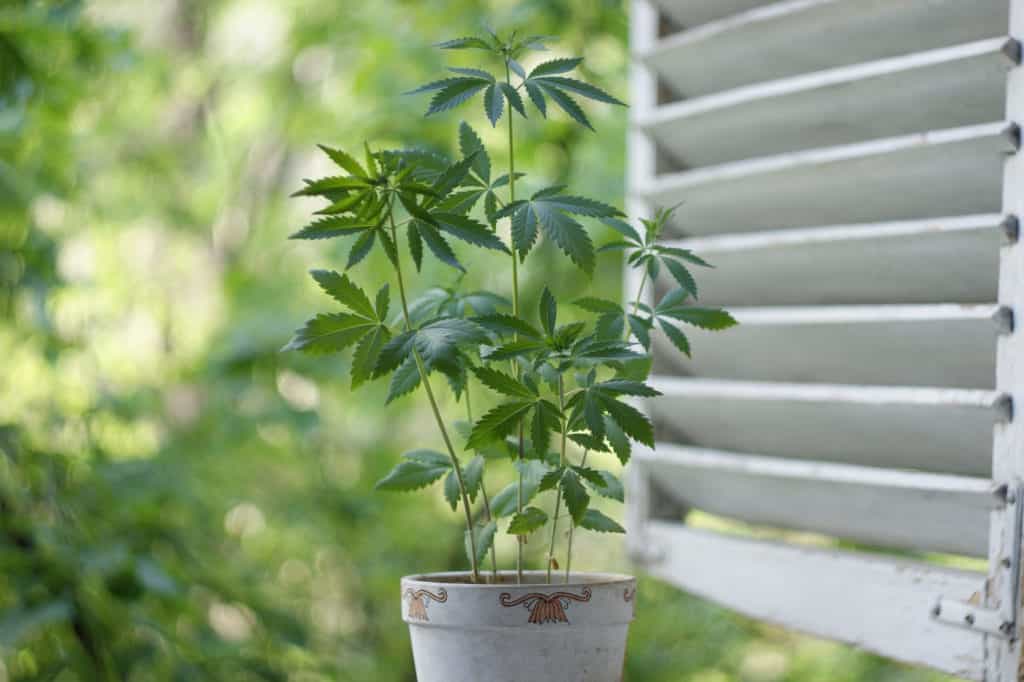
[{"x": 504, "y": 632}]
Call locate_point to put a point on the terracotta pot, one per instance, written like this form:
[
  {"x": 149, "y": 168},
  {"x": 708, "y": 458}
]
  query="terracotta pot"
[{"x": 504, "y": 632}]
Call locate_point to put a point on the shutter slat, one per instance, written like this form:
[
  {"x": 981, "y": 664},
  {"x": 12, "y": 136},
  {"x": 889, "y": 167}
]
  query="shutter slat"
[
  {"x": 883, "y": 507},
  {"x": 932, "y": 90},
  {"x": 877, "y": 603},
  {"x": 801, "y": 36},
  {"x": 947, "y": 259},
  {"x": 928, "y": 345},
  {"x": 687, "y": 13},
  {"x": 925, "y": 429},
  {"x": 928, "y": 175}
]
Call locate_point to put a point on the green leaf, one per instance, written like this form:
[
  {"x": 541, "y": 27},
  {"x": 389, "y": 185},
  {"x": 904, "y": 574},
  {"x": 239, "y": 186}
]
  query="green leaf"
[
  {"x": 470, "y": 231},
  {"x": 575, "y": 495},
  {"x": 633, "y": 422},
  {"x": 330, "y": 333},
  {"x": 439, "y": 341},
  {"x": 345, "y": 161},
  {"x": 515, "y": 349},
  {"x": 532, "y": 470},
  {"x": 546, "y": 419},
  {"x": 472, "y": 476},
  {"x": 498, "y": 423},
  {"x": 705, "y": 318},
  {"x": 345, "y": 291},
  {"x": 596, "y": 521},
  {"x": 514, "y": 100},
  {"x": 395, "y": 352},
  {"x": 367, "y": 352},
  {"x": 420, "y": 469},
  {"x": 640, "y": 329},
  {"x": 455, "y": 93},
  {"x": 677, "y": 337},
  {"x": 468, "y": 42},
  {"x": 617, "y": 439},
  {"x": 361, "y": 249},
  {"x": 471, "y": 145},
  {"x": 681, "y": 275},
  {"x": 548, "y": 311},
  {"x": 483, "y": 535},
  {"x": 610, "y": 486},
  {"x": 555, "y": 66},
  {"x": 330, "y": 186},
  {"x": 437, "y": 244},
  {"x": 566, "y": 103},
  {"x": 568, "y": 234},
  {"x": 503, "y": 383},
  {"x": 494, "y": 104},
  {"x": 405, "y": 380},
  {"x": 581, "y": 88},
  {"x": 627, "y": 387},
  {"x": 507, "y": 324},
  {"x": 528, "y": 521},
  {"x": 537, "y": 97},
  {"x": 382, "y": 303},
  {"x": 625, "y": 229},
  {"x": 475, "y": 73},
  {"x": 451, "y": 490},
  {"x": 598, "y": 305},
  {"x": 334, "y": 226}
]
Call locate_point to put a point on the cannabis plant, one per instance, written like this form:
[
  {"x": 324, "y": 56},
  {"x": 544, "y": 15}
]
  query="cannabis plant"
[{"x": 556, "y": 383}]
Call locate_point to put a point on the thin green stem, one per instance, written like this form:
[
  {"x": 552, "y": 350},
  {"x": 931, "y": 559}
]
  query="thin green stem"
[
  {"x": 568, "y": 553},
  {"x": 636, "y": 303},
  {"x": 425, "y": 379},
  {"x": 483, "y": 490},
  {"x": 562, "y": 462},
  {"x": 515, "y": 311}
]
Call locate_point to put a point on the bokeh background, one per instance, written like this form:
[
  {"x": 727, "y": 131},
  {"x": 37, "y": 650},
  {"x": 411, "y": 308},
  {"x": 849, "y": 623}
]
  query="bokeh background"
[{"x": 179, "y": 500}]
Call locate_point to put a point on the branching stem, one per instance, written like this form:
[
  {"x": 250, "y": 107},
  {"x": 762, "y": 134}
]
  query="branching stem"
[
  {"x": 562, "y": 463},
  {"x": 424, "y": 377},
  {"x": 515, "y": 312},
  {"x": 483, "y": 492},
  {"x": 572, "y": 527}
]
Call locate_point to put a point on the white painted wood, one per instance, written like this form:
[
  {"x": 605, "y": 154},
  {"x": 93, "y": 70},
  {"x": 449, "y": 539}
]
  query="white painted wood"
[
  {"x": 641, "y": 162},
  {"x": 946, "y": 345},
  {"x": 873, "y": 602},
  {"x": 924, "y": 429},
  {"x": 801, "y": 36},
  {"x": 1004, "y": 659},
  {"x": 688, "y": 13},
  {"x": 884, "y": 507},
  {"x": 944, "y": 88},
  {"x": 952, "y": 259},
  {"x": 928, "y": 175}
]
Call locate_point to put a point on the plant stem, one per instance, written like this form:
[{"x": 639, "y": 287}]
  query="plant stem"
[
  {"x": 568, "y": 554},
  {"x": 424, "y": 377},
  {"x": 483, "y": 491},
  {"x": 562, "y": 462},
  {"x": 515, "y": 312},
  {"x": 636, "y": 303}
]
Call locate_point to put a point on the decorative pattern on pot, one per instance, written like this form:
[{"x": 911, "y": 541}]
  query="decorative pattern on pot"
[
  {"x": 419, "y": 599},
  {"x": 546, "y": 608}
]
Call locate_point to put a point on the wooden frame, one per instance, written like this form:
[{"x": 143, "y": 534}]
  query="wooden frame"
[{"x": 932, "y": 457}]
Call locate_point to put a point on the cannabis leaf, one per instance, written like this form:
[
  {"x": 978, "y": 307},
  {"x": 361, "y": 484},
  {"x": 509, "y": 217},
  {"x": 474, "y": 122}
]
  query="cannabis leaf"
[
  {"x": 365, "y": 327},
  {"x": 546, "y": 79},
  {"x": 596, "y": 521},
  {"x": 527, "y": 521},
  {"x": 551, "y": 211},
  {"x": 419, "y": 469}
]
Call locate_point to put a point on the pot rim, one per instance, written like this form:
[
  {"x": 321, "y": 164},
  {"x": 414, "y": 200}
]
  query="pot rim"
[{"x": 460, "y": 579}]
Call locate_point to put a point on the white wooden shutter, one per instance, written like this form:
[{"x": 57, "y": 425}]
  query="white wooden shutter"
[{"x": 850, "y": 167}]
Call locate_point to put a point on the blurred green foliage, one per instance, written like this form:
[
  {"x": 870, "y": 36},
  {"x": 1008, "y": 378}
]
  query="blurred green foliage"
[{"x": 178, "y": 501}]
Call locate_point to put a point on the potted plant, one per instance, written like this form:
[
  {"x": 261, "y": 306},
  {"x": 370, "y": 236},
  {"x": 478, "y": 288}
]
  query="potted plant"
[{"x": 562, "y": 388}]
